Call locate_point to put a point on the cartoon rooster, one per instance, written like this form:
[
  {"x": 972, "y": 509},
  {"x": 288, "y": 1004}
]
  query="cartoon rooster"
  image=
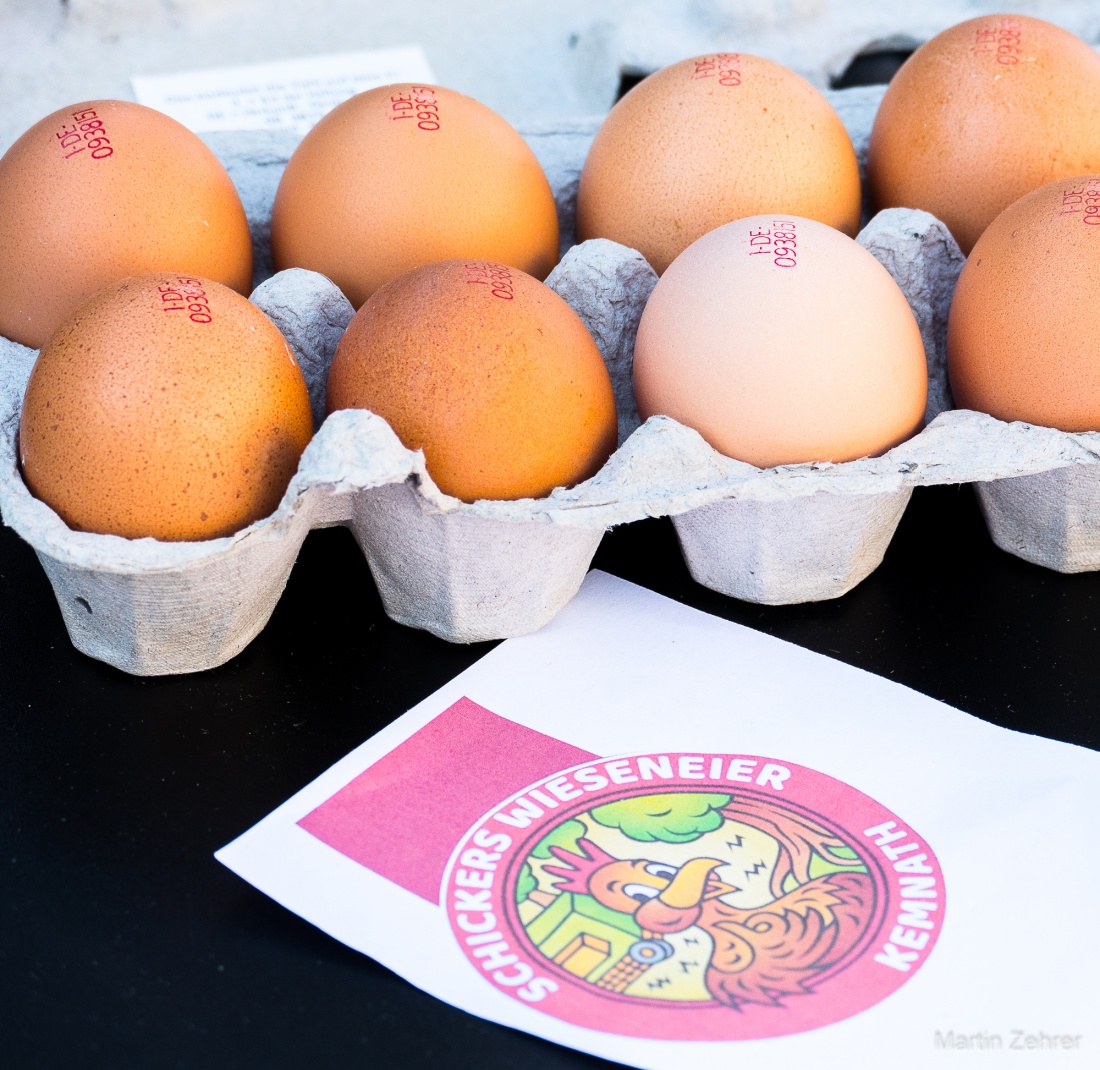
[{"x": 760, "y": 954}]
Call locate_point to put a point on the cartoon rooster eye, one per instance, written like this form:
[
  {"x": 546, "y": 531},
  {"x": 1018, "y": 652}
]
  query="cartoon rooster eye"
[
  {"x": 641, "y": 892},
  {"x": 659, "y": 869}
]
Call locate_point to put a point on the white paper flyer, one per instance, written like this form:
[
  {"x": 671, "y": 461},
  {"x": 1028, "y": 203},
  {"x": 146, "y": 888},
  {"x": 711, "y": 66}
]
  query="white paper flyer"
[
  {"x": 290, "y": 94},
  {"x": 668, "y": 840}
]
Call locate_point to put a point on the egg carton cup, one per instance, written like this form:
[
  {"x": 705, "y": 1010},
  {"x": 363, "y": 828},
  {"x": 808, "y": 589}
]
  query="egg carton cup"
[
  {"x": 804, "y": 533},
  {"x": 493, "y": 569},
  {"x": 464, "y": 571}
]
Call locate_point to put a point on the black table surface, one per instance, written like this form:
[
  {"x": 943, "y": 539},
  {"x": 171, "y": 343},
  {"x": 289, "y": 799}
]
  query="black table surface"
[{"x": 124, "y": 943}]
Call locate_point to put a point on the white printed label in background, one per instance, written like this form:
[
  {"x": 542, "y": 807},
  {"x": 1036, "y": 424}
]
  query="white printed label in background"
[{"x": 286, "y": 95}]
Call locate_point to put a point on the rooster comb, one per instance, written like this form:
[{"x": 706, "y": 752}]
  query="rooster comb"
[{"x": 575, "y": 878}]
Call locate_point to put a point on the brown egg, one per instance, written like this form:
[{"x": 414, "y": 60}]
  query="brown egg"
[
  {"x": 486, "y": 370},
  {"x": 166, "y": 406},
  {"x": 1023, "y": 337},
  {"x": 710, "y": 140},
  {"x": 406, "y": 175},
  {"x": 102, "y": 190},
  {"x": 781, "y": 340},
  {"x": 980, "y": 115}
]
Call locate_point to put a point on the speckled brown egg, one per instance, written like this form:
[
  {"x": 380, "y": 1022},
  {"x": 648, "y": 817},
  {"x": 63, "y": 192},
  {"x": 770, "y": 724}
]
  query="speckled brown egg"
[
  {"x": 405, "y": 175},
  {"x": 710, "y": 140},
  {"x": 106, "y": 189},
  {"x": 781, "y": 340},
  {"x": 486, "y": 370},
  {"x": 1023, "y": 337},
  {"x": 980, "y": 115},
  {"x": 165, "y": 406}
]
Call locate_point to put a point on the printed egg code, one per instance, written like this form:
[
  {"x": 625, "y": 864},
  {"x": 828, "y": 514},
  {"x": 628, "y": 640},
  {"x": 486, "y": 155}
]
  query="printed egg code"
[
  {"x": 418, "y": 103},
  {"x": 1083, "y": 201},
  {"x": 778, "y": 243},
  {"x": 86, "y": 134},
  {"x": 187, "y": 296},
  {"x": 725, "y": 66},
  {"x": 1002, "y": 41},
  {"x": 496, "y": 276}
]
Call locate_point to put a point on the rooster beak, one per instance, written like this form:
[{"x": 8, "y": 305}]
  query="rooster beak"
[
  {"x": 689, "y": 885},
  {"x": 715, "y": 888}
]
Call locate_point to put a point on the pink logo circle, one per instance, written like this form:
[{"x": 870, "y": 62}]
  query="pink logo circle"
[{"x": 694, "y": 897}]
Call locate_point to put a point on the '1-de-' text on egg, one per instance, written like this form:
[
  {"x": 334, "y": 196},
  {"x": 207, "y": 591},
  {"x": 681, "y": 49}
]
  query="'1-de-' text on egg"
[
  {"x": 980, "y": 115},
  {"x": 1023, "y": 337},
  {"x": 781, "y": 340},
  {"x": 485, "y": 369},
  {"x": 405, "y": 175},
  {"x": 166, "y": 406},
  {"x": 106, "y": 189},
  {"x": 710, "y": 140}
]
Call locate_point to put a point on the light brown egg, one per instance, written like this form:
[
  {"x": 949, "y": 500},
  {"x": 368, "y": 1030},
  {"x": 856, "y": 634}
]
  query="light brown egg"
[
  {"x": 166, "y": 406},
  {"x": 486, "y": 370},
  {"x": 781, "y": 340},
  {"x": 406, "y": 175},
  {"x": 980, "y": 115},
  {"x": 106, "y": 189},
  {"x": 710, "y": 140},
  {"x": 1023, "y": 337}
]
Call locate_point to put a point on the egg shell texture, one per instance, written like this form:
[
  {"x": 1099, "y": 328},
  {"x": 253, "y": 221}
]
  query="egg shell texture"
[
  {"x": 405, "y": 175},
  {"x": 710, "y": 140},
  {"x": 145, "y": 418},
  {"x": 781, "y": 340},
  {"x": 982, "y": 114},
  {"x": 488, "y": 371},
  {"x": 84, "y": 205},
  {"x": 1023, "y": 337}
]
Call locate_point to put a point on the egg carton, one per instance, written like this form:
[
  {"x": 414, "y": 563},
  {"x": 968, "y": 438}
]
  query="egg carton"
[
  {"x": 493, "y": 569},
  {"x": 1031, "y": 481}
]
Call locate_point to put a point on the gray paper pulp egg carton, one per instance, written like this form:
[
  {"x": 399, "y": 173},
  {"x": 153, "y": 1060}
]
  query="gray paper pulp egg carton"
[
  {"x": 463, "y": 571},
  {"x": 493, "y": 569}
]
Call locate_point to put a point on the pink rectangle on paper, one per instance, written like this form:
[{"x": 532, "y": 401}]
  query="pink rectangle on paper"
[{"x": 403, "y": 816}]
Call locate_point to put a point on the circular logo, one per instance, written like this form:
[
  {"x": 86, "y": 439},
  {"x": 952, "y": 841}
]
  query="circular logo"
[{"x": 694, "y": 897}]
